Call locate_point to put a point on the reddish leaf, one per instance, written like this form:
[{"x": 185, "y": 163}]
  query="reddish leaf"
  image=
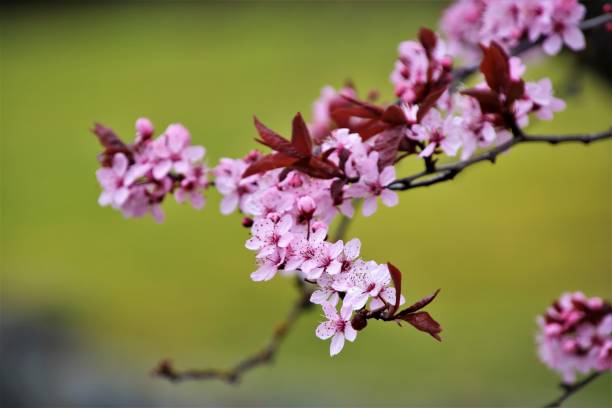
[
  {"x": 112, "y": 144},
  {"x": 495, "y": 67},
  {"x": 429, "y": 101},
  {"x": 487, "y": 99},
  {"x": 371, "y": 129},
  {"x": 275, "y": 141},
  {"x": 396, "y": 275},
  {"x": 424, "y": 322},
  {"x": 516, "y": 90},
  {"x": 377, "y": 110},
  {"x": 394, "y": 115},
  {"x": 428, "y": 39},
  {"x": 336, "y": 191},
  {"x": 300, "y": 137},
  {"x": 269, "y": 162},
  {"x": 419, "y": 305},
  {"x": 387, "y": 145}
]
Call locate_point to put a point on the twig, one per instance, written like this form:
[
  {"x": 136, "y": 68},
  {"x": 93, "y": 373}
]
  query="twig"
[
  {"x": 463, "y": 73},
  {"x": 571, "y": 389},
  {"x": 449, "y": 171},
  {"x": 166, "y": 370}
]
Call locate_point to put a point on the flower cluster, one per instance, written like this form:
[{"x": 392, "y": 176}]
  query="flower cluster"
[
  {"x": 469, "y": 23},
  {"x": 576, "y": 335},
  {"x": 136, "y": 178}
]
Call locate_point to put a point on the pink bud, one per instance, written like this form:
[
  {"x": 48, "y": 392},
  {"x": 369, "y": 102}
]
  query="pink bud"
[
  {"x": 307, "y": 205},
  {"x": 144, "y": 128}
]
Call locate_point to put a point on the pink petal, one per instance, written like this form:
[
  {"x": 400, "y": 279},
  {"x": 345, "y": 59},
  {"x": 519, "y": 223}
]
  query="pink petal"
[
  {"x": 182, "y": 167},
  {"x": 319, "y": 297},
  {"x": 120, "y": 164},
  {"x": 387, "y": 175},
  {"x": 284, "y": 224},
  {"x": 325, "y": 330},
  {"x": 552, "y": 45},
  {"x": 285, "y": 240},
  {"x": 105, "y": 198},
  {"x": 352, "y": 249},
  {"x": 574, "y": 38},
  {"x": 158, "y": 213},
  {"x": 264, "y": 273},
  {"x": 349, "y": 333},
  {"x": 197, "y": 200},
  {"x": 161, "y": 169},
  {"x": 334, "y": 268},
  {"x": 121, "y": 196},
  {"x": 369, "y": 206},
  {"x": 330, "y": 312},
  {"x": 194, "y": 153},
  {"x": 428, "y": 150},
  {"x": 336, "y": 249},
  {"x": 337, "y": 344},
  {"x": 229, "y": 203},
  {"x": 389, "y": 198}
]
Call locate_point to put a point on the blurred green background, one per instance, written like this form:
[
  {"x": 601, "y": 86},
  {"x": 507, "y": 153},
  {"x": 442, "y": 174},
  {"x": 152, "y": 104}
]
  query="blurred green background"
[{"x": 501, "y": 241}]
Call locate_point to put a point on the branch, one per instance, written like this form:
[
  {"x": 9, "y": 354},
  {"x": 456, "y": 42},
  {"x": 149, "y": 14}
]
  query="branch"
[
  {"x": 449, "y": 171},
  {"x": 571, "y": 389},
  {"x": 463, "y": 73},
  {"x": 167, "y": 371}
]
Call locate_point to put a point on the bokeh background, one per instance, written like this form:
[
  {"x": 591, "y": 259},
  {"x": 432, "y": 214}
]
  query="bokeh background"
[{"x": 90, "y": 301}]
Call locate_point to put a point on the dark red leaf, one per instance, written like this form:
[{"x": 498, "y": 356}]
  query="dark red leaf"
[
  {"x": 487, "y": 99},
  {"x": 336, "y": 191},
  {"x": 396, "y": 275},
  {"x": 419, "y": 305},
  {"x": 275, "y": 141},
  {"x": 428, "y": 39},
  {"x": 516, "y": 90},
  {"x": 377, "y": 110},
  {"x": 371, "y": 128},
  {"x": 300, "y": 137},
  {"x": 495, "y": 67},
  {"x": 112, "y": 144},
  {"x": 424, "y": 322},
  {"x": 269, "y": 162},
  {"x": 394, "y": 115},
  {"x": 429, "y": 101},
  {"x": 387, "y": 145}
]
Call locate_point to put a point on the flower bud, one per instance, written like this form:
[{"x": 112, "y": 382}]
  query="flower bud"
[
  {"x": 307, "y": 206},
  {"x": 144, "y": 129},
  {"x": 359, "y": 321},
  {"x": 247, "y": 222}
]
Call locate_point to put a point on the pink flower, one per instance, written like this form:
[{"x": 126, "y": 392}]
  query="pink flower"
[
  {"x": 305, "y": 248},
  {"x": 438, "y": 132},
  {"x": 338, "y": 327},
  {"x": 566, "y": 16},
  {"x": 144, "y": 130},
  {"x": 575, "y": 335},
  {"x": 367, "y": 281},
  {"x": 114, "y": 181},
  {"x": 268, "y": 264},
  {"x": 544, "y": 103},
  {"x": 324, "y": 261},
  {"x": 372, "y": 184},
  {"x": 231, "y": 185},
  {"x": 269, "y": 233},
  {"x": 325, "y": 292},
  {"x": 172, "y": 152},
  {"x": 192, "y": 187}
]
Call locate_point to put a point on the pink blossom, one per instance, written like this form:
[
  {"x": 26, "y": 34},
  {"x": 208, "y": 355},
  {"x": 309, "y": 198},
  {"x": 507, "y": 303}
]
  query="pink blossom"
[
  {"x": 192, "y": 187},
  {"x": 270, "y": 233},
  {"x": 325, "y": 260},
  {"x": 575, "y": 335},
  {"x": 566, "y": 16},
  {"x": 114, "y": 181},
  {"x": 144, "y": 129},
  {"x": 229, "y": 182},
  {"x": 367, "y": 281},
  {"x": 437, "y": 132},
  {"x": 338, "y": 327},
  {"x": 372, "y": 184},
  {"x": 544, "y": 103},
  {"x": 173, "y": 152}
]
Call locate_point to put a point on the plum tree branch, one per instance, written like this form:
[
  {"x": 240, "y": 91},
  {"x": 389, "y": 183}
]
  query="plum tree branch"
[
  {"x": 571, "y": 389},
  {"x": 166, "y": 370},
  {"x": 447, "y": 172}
]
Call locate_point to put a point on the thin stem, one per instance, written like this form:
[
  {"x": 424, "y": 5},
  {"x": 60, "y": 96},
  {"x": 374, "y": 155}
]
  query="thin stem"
[
  {"x": 571, "y": 389},
  {"x": 449, "y": 171},
  {"x": 166, "y": 370}
]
